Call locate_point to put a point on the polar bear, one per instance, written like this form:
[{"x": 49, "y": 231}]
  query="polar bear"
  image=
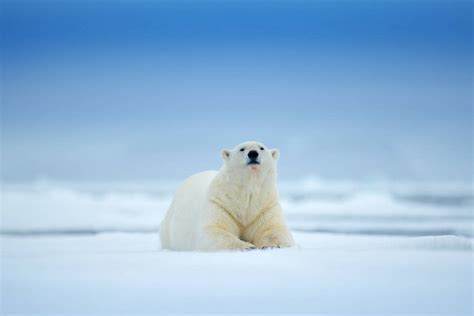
[{"x": 236, "y": 207}]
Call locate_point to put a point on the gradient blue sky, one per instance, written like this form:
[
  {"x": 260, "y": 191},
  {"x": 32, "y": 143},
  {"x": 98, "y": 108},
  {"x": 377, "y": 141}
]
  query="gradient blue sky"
[{"x": 149, "y": 90}]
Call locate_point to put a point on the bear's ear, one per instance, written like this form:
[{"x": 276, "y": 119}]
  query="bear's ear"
[
  {"x": 225, "y": 154},
  {"x": 275, "y": 153}
]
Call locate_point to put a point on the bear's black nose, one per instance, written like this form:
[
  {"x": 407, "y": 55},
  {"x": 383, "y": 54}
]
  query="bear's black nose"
[{"x": 253, "y": 154}]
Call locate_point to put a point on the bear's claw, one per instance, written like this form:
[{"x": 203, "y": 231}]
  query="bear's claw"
[
  {"x": 270, "y": 247},
  {"x": 249, "y": 248}
]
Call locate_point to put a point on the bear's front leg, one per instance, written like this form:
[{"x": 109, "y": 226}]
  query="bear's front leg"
[
  {"x": 270, "y": 231},
  {"x": 219, "y": 231}
]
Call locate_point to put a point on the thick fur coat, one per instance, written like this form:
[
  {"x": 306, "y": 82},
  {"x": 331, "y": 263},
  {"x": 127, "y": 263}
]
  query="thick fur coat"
[{"x": 236, "y": 207}]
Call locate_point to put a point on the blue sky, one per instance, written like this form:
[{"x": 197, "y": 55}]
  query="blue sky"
[{"x": 146, "y": 90}]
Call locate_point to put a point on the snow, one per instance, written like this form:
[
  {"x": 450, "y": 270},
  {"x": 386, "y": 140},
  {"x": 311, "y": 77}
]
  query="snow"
[
  {"x": 71, "y": 248},
  {"x": 127, "y": 273}
]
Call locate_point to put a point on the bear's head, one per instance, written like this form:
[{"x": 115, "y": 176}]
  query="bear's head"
[{"x": 252, "y": 156}]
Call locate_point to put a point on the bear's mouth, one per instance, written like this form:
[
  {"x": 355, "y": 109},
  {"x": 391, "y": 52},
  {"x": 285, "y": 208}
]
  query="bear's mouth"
[{"x": 253, "y": 162}]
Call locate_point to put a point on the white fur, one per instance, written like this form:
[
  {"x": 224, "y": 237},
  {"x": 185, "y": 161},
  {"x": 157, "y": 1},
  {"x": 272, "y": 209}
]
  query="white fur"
[{"x": 236, "y": 207}]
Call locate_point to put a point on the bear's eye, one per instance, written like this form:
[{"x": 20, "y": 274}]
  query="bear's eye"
[
  {"x": 261, "y": 148},
  {"x": 242, "y": 149}
]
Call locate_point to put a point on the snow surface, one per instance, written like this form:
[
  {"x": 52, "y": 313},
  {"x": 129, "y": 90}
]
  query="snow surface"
[
  {"x": 127, "y": 273},
  {"x": 379, "y": 250}
]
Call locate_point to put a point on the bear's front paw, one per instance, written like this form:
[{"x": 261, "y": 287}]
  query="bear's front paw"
[
  {"x": 245, "y": 246},
  {"x": 274, "y": 241},
  {"x": 270, "y": 241}
]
